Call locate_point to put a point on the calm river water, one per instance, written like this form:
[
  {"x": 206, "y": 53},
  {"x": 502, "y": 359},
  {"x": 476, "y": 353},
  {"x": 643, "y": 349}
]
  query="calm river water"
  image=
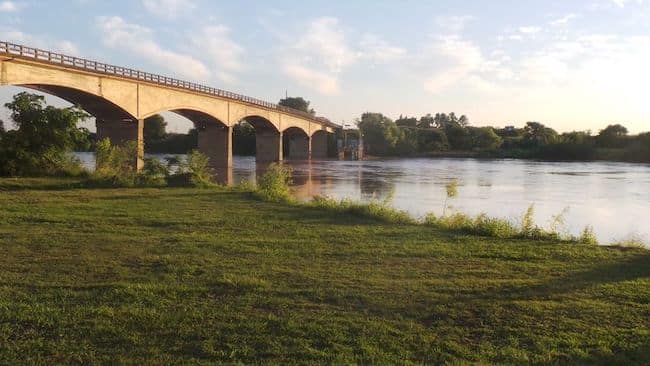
[{"x": 614, "y": 198}]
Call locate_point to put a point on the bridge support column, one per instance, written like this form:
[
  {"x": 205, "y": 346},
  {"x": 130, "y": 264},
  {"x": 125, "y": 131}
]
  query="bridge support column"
[
  {"x": 319, "y": 145},
  {"x": 121, "y": 132},
  {"x": 299, "y": 147},
  {"x": 215, "y": 142},
  {"x": 268, "y": 144}
]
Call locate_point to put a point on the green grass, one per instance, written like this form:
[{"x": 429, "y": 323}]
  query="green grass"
[{"x": 200, "y": 276}]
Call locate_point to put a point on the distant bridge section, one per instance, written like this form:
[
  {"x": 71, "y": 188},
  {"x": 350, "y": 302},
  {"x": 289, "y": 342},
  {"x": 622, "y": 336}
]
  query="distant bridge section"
[{"x": 121, "y": 99}]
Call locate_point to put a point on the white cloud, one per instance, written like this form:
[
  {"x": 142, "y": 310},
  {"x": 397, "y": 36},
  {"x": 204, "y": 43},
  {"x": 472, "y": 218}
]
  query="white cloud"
[
  {"x": 317, "y": 57},
  {"x": 138, "y": 40},
  {"x": 530, "y": 30},
  {"x": 622, "y": 3},
  {"x": 169, "y": 9},
  {"x": 453, "y": 24},
  {"x": 39, "y": 41},
  {"x": 323, "y": 82},
  {"x": 8, "y": 7},
  {"x": 378, "y": 50},
  {"x": 222, "y": 51},
  {"x": 326, "y": 40},
  {"x": 456, "y": 59},
  {"x": 564, "y": 20}
]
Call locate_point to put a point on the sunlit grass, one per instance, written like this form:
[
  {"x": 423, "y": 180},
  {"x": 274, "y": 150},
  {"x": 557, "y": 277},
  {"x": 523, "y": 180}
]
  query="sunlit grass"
[{"x": 194, "y": 275}]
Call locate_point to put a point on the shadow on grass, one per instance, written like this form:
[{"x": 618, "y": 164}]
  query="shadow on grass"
[
  {"x": 40, "y": 184},
  {"x": 636, "y": 356},
  {"x": 628, "y": 269}
]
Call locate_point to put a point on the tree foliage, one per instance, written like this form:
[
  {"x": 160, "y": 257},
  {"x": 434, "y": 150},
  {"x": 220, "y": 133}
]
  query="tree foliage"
[
  {"x": 43, "y": 138},
  {"x": 243, "y": 139},
  {"x": 155, "y": 128},
  {"x": 612, "y": 136},
  {"x": 536, "y": 134},
  {"x": 380, "y": 133},
  {"x": 298, "y": 103}
]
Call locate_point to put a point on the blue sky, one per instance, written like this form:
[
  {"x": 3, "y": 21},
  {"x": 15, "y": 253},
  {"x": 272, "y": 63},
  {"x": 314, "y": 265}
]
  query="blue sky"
[{"x": 573, "y": 65}]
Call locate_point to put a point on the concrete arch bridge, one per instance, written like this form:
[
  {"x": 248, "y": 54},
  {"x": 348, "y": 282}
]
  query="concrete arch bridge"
[{"x": 121, "y": 99}]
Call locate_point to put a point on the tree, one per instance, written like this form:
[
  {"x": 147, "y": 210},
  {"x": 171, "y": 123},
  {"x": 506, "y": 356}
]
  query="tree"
[
  {"x": 155, "y": 128},
  {"x": 2, "y": 127},
  {"x": 243, "y": 139},
  {"x": 407, "y": 143},
  {"x": 485, "y": 138},
  {"x": 297, "y": 103},
  {"x": 577, "y": 137},
  {"x": 406, "y": 122},
  {"x": 433, "y": 139},
  {"x": 426, "y": 121},
  {"x": 43, "y": 138},
  {"x": 536, "y": 134},
  {"x": 459, "y": 137},
  {"x": 380, "y": 134},
  {"x": 612, "y": 136}
]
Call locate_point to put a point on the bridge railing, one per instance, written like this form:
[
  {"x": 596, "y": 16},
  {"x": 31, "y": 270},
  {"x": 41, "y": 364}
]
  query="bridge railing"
[{"x": 98, "y": 67}]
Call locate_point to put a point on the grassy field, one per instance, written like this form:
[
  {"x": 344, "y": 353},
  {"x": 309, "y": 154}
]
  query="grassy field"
[{"x": 169, "y": 276}]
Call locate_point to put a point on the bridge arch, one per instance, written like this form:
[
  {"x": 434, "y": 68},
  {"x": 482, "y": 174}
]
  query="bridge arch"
[
  {"x": 296, "y": 144},
  {"x": 98, "y": 106},
  {"x": 268, "y": 138},
  {"x": 113, "y": 120},
  {"x": 319, "y": 144}
]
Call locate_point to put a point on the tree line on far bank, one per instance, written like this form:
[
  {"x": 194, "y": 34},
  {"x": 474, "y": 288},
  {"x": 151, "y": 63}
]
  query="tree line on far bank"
[
  {"x": 44, "y": 136},
  {"x": 452, "y": 135}
]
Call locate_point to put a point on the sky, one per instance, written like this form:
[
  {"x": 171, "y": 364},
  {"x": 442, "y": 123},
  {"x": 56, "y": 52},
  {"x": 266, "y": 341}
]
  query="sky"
[{"x": 570, "y": 64}]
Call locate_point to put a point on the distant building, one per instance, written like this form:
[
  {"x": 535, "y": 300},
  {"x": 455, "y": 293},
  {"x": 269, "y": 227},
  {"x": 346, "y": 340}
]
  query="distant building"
[{"x": 350, "y": 145}]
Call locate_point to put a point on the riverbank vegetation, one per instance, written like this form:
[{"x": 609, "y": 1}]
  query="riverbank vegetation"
[
  {"x": 202, "y": 275},
  {"x": 450, "y": 135}
]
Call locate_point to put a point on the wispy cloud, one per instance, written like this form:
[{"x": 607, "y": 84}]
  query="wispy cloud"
[
  {"x": 317, "y": 57},
  {"x": 623, "y": 3},
  {"x": 455, "y": 59},
  {"x": 377, "y": 50},
  {"x": 8, "y": 7},
  {"x": 223, "y": 52},
  {"x": 136, "y": 39},
  {"x": 169, "y": 9},
  {"x": 563, "y": 20},
  {"x": 41, "y": 41}
]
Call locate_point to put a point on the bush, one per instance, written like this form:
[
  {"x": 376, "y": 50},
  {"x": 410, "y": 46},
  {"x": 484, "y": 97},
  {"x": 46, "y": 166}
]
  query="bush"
[
  {"x": 154, "y": 173},
  {"x": 193, "y": 171},
  {"x": 115, "y": 165},
  {"x": 43, "y": 139},
  {"x": 375, "y": 210},
  {"x": 588, "y": 236},
  {"x": 274, "y": 184}
]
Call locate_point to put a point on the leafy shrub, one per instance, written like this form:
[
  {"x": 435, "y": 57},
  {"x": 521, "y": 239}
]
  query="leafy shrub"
[
  {"x": 274, "y": 184},
  {"x": 375, "y": 210},
  {"x": 193, "y": 171},
  {"x": 588, "y": 236},
  {"x": 43, "y": 139},
  {"x": 154, "y": 173},
  {"x": 115, "y": 165},
  {"x": 494, "y": 227}
]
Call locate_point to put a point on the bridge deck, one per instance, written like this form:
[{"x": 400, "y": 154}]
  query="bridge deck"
[{"x": 76, "y": 63}]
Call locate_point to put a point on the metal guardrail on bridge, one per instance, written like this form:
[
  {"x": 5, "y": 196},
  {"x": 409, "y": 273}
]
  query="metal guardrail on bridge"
[{"x": 98, "y": 67}]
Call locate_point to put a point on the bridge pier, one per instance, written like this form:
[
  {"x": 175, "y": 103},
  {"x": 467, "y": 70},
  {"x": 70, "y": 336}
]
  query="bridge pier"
[
  {"x": 215, "y": 141},
  {"x": 120, "y": 132},
  {"x": 268, "y": 144},
  {"x": 299, "y": 147},
  {"x": 319, "y": 145}
]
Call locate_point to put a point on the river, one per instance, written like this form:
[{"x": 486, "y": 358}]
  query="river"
[{"x": 613, "y": 198}]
